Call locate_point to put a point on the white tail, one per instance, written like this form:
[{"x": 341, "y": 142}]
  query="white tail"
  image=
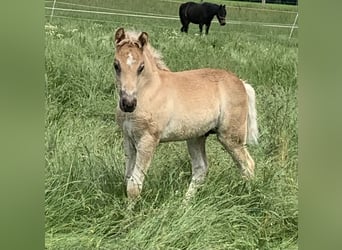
[{"x": 252, "y": 126}]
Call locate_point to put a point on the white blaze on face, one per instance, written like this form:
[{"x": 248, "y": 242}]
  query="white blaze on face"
[{"x": 130, "y": 60}]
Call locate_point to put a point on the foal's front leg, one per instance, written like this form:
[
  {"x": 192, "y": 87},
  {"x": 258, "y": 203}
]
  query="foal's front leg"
[
  {"x": 130, "y": 153},
  {"x": 145, "y": 148}
]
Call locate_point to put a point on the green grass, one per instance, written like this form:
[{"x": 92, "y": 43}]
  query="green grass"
[{"x": 86, "y": 206}]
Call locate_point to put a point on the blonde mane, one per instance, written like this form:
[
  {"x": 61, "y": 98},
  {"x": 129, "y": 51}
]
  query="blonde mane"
[{"x": 132, "y": 38}]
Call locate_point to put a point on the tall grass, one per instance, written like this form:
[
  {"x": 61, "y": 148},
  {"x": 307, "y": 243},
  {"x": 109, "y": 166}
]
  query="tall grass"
[{"x": 86, "y": 206}]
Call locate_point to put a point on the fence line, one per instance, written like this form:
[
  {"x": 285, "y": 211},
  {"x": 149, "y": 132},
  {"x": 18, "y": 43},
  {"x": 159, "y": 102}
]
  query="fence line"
[
  {"x": 228, "y": 6},
  {"x": 238, "y": 7},
  {"x": 104, "y": 8},
  {"x": 295, "y": 21},
  {"x": 174, "y": 18},
  {"x": 115, "y": 14},
  {"x": 258, "y": 9},
  {"x": 53, "y": 8}
]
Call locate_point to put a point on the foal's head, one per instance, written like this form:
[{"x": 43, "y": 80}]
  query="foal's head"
[
  {"x": 129, "y": 67},
  {"x": 221, "y": 14}
]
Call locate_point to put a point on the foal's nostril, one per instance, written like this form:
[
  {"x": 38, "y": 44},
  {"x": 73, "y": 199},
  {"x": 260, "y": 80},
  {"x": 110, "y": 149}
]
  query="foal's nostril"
[{"x": 128, "y": 104}]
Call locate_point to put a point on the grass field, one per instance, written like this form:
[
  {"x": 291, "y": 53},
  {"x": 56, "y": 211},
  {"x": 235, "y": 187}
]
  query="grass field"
[{"x": 86, "y": 206}]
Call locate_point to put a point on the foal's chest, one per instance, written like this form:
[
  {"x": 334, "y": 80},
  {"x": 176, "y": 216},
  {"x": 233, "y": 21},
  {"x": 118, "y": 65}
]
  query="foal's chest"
[
  {"x": 136, "y": 126},
  {"x": 128, "y": 127}
]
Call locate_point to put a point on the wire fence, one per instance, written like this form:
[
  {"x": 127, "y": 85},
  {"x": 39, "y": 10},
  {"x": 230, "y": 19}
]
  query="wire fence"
[
  {"x": 240, "y": 7},
  {"x": 67, "y": 8}
]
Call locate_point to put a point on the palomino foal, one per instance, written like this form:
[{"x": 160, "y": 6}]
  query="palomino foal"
[{"x": 157, "y": 105}]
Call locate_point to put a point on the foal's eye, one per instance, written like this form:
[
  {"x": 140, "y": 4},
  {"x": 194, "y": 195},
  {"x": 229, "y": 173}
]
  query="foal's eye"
[
  {"x": 141, "y": 68},
  {"x": 117, "y": 67}
]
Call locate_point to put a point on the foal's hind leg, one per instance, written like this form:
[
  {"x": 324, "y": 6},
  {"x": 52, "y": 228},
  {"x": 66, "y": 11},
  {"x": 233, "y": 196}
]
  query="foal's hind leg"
[
  {"x": 196, "y": 147},
  {"x": 235, "y": 145}
]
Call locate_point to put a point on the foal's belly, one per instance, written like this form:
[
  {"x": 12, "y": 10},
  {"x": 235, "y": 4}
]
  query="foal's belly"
[{"x": 180, "y": 130}]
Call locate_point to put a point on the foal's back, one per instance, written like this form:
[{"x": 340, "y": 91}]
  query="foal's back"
[{"x": 200, "y": 84}]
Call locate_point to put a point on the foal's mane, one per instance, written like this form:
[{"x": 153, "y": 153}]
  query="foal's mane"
[{"x": 132, "y": 39}]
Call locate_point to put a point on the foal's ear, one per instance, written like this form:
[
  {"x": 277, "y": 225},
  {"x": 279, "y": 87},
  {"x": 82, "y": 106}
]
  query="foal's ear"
[
  {"x": 119, "y": 35},
  {"x": 143, "y": 38}
]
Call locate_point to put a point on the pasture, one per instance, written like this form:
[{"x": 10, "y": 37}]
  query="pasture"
[{"x": 85, "y": 202}]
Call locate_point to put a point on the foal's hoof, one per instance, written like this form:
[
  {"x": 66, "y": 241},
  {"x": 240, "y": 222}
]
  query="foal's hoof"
[
  {"x": 133, "y": 189},
  {"x": 248, "y": 174},
  {"x": 133, "y": 194}
]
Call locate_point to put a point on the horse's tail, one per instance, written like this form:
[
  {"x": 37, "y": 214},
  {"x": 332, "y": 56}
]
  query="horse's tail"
[{"x": 252, "y": 126}]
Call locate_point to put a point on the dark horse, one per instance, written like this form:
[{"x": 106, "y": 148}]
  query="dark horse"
[{"x": 201, "y": 13}]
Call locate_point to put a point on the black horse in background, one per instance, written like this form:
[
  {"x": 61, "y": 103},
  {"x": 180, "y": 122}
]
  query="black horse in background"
[{"x": 201, "y": 13}]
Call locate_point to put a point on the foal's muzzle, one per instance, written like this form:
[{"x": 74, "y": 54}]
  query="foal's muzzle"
[{"x": 127, "y": 102}]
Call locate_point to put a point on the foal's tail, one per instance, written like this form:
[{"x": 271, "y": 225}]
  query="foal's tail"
[{"x": 252, "y": 126}]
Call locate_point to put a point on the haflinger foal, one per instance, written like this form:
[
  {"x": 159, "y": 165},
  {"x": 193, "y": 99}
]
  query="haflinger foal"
[{"x": 158, "y": 105}]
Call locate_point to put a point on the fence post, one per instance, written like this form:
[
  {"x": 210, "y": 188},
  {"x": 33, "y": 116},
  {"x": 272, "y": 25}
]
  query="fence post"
[
  {"x": 53, "y": 9},
  {"x": 295, "y": 21}
]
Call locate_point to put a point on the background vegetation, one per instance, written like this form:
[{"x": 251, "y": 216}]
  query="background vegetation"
[{"x": 86, "y": 206}]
